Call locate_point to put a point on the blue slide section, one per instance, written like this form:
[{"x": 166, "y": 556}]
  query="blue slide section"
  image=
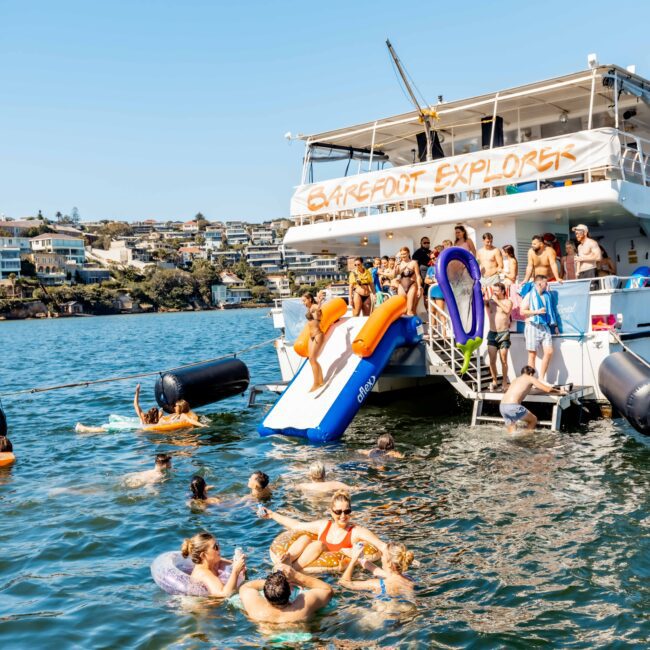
[{"x": 324, "y": 415}]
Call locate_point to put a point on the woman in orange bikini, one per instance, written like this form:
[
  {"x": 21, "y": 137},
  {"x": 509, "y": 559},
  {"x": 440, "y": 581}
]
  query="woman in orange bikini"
[
  {"x": 316, "y": 336},
  {"x": 335, "y": 534}
]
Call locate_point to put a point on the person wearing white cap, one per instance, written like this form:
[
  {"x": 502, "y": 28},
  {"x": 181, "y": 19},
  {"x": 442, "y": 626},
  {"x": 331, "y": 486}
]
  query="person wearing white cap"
[{"x": 588, "y": 253}]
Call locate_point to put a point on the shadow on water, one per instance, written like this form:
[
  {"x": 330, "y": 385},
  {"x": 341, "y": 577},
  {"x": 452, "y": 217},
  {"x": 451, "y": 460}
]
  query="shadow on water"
[{"x": 539, "y": 541}]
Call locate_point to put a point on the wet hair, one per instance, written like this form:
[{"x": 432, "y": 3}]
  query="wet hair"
[
  {"x": 261, "y": 478},
  {"x": 500, "y": 285},
  {"x": 538, "y": 237},
  {"x": 151, "y": 416},
  {"x": 198, "y": 488},
  {"x": 340, "y": 495},
  {"x": 309, "y": 295},
  {"x": 539, "y": 278},
  {"x": 184, "y": 404},
  {"x": 164, "y": 460},
  {"x": 317, "y": 471},
  {"x": 5, "y": 444},
  {"x": 462, "y": 229},
  {"x": 508, "y": 249},
  {"x": 399, "y": 556},
  {"x": 385, "y": 442},
  {"x": 528, "y": 370},
  {"x": 197, "y": 546},
  {"x": 487, "y": 235},
  {"x": 277, "y": 589}
]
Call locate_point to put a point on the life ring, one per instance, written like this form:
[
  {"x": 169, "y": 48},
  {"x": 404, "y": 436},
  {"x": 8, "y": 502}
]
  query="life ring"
[
  {"x": 327, "y": 562},
  {"x": 171, "y": 572},
  {"x": 331, "y": 311},
  {"x": 6, "y": 458},
  {"x": 466, "y": 342}
]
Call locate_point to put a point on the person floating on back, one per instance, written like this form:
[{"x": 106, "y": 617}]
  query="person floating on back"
[
  {"x": 274, "y": 605},
  {"x": 511, "y": 408}
]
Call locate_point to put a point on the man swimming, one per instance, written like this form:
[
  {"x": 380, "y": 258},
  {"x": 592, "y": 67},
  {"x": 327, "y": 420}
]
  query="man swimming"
[
  {"x": 511, "y": 408},
  {"x": 274, "y": 604},
  {"x": 259, "y": 485},
  {"x": 318, "y": 484},
  {"x": 139, "y": 479}
]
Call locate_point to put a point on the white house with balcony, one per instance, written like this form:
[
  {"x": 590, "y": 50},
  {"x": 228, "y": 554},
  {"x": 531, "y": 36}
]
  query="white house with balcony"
[
  {"x": 22, "y": 243},
  {"x": 213, "y": 238},
  {"x": 236, "y": 233},
  {"x": 261, "y": 235},
  {"x": 267, "y": 257},
  {"x": 9, "y": 261},
  {"x": 69, "y": 247}
]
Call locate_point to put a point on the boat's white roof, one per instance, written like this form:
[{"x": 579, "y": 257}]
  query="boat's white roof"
[{"x": 568, "y": 93}]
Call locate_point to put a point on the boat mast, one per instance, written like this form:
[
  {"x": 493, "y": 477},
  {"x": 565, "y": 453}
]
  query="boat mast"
[{"x": 424, "y": 116}]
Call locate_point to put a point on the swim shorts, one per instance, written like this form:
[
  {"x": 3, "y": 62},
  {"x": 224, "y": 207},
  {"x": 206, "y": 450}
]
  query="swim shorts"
[
  {"x": 500, "y": 340},
  {"x": 512, "y": 413},
  {"x": 537, "y": 334}
]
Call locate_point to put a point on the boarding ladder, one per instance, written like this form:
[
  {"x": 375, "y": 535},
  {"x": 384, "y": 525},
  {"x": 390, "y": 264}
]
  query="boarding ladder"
[{"x": 446, "y": 359}]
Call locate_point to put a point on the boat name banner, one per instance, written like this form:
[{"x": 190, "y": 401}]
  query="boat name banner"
[{"x": 502, "y": 166}]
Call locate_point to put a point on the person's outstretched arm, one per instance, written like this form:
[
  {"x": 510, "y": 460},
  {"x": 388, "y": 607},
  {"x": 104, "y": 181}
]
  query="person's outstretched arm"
[
  {"x": 290, "y": 523},
  {"x": 348, "y": 582},
  {"x": 136, "y": 404}
]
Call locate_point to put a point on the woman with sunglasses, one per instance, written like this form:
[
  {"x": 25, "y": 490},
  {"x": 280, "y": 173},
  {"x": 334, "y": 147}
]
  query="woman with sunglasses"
[
  {"x": 337, "y": 534},
  {"x": 203, "y": 549},
  {"x": 361, "y": 288}
]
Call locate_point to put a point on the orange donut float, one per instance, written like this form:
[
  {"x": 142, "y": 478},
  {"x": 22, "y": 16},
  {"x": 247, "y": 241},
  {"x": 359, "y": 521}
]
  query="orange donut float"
[
  {"x": 167, "y": 426},
  {"x": 6, "y": 458},
  {"x": 378, "y": 322},
  {"x": 327, "y": 562},
  {"x": 331, "y": 311}
]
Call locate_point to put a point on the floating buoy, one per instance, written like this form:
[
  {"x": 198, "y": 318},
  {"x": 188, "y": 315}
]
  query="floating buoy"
[
  {"x": 202, "y": 384},
  {"x": 625, "y": 382}
]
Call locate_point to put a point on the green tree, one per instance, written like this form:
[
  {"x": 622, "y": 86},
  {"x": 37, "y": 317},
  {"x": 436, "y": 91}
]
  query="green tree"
[
  {"x": 205, "y": 275},
  {"x": 170, "y": 288},
  {"x": 27, "y": 268}
]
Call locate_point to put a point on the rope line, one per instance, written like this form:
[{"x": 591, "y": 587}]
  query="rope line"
[
  {"x": 627, "y": 349},
  {"x": 108, "y": 380}
]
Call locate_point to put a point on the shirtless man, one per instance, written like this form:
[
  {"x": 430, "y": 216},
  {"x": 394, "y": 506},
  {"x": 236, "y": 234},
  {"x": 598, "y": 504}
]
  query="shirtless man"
[
  {"x": 275, "y": 606},
  {"x": 511, "y": 408},
  {"x": 491, "y": 262},
  {"x": 318, "y": 484},
  {"x": 258, "y": 483},
  {"x": 150, "y": 476},
  {"x": 589, "y": 253},
  {"x": 498, "y": 339},
  {"x": 541, "y": 260}
]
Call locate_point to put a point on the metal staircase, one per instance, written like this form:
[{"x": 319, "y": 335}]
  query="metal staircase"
[{"x": 446, "y": 359}]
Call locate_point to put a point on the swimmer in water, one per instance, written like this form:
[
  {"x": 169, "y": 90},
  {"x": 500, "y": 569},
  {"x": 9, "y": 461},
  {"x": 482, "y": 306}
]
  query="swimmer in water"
[
  {"x": 318, "y": 484},
  {"x": 274, "y": 605},
  {"x": 259, "y": 485},
  {"x": 385, "y": 447},
  {"x": 150, "y": 476},
  {"x": 203, "y": 549},
  {"x": 6, "y": 451},
  {"x": 200, "y": 493},
  {"x": 389, "y": 580}
]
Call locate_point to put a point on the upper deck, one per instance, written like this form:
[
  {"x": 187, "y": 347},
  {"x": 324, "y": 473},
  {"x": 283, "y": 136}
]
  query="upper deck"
[{"x": 586, "y": 135}]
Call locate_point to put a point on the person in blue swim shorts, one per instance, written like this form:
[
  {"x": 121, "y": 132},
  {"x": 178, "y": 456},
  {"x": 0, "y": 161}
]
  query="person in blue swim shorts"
[{"x": 511, "y": 407}]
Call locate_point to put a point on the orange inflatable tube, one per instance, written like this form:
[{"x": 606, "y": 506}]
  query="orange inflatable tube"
[
  {"x": 332, "y": 310},
  {"x": 167, "y": 426},
  {"x": 6, "y": 458},
  {"x": 377, "y": 324}
]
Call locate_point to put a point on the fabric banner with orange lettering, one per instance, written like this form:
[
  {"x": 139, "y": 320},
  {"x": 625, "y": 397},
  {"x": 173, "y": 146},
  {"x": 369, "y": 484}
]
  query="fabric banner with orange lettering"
[{"x": 552, "y": 158}]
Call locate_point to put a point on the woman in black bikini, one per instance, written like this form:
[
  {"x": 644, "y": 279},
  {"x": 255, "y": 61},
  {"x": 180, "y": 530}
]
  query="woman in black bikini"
[
  {"x": 361, "y": 289},
  {"x": 407, "y": 274},
  {"x": 316, "y": 337}
]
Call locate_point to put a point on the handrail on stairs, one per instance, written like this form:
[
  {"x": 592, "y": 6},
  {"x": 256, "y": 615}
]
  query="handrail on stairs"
[{"x": 441, "y": 338}]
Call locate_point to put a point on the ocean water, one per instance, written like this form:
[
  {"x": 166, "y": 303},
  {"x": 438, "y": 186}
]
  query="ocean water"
[{"x": 529, "y": 543}]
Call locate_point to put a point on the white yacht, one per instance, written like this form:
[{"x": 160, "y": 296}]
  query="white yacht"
[{"x": 539, "y": 158}]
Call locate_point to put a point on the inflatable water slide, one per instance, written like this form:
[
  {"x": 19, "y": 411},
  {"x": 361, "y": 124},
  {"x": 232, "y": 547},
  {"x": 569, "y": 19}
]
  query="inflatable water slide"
[{"x": 354, "y": 354}]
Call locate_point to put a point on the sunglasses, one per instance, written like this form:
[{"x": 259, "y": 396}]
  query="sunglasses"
[
  {"x": 216, "y": 546},
  {"x": 338, "y": 513},
  {"x": 426, "y": 243}
]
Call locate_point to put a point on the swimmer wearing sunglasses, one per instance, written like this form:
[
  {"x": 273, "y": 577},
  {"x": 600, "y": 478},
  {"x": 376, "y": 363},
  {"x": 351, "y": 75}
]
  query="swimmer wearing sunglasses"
[{"x": 335, "y": 534}]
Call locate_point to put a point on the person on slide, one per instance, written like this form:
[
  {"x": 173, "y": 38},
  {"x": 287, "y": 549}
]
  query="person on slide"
[
  {"x": 273, "y": 605},
  {"x": 335, "y": 534},
  {"x": 203, "y": 550},
  {"x": 389, "y": 580},
  {"x": 409, "y": 280},
  {"x": 316, "y": 336}
]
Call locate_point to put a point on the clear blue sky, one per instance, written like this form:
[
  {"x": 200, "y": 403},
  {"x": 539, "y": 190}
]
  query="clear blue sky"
[{"x": 152, "y": 109}]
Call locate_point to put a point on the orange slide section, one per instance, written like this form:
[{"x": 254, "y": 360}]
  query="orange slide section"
[
  {"x": 332, "y": 310},
  {"x": 378, "y": 322}
]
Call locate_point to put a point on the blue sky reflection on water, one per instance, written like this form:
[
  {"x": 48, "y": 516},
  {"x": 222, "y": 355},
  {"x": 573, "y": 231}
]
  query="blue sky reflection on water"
[{"x": 542, "y": 540}]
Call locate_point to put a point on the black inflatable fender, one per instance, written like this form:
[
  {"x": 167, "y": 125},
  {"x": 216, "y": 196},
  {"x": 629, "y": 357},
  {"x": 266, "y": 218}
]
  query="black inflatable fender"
[
  {"x": 625, "y": 381},
  {"x": 3, "y": 423},
  {"x": 202, "y": 384}
]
